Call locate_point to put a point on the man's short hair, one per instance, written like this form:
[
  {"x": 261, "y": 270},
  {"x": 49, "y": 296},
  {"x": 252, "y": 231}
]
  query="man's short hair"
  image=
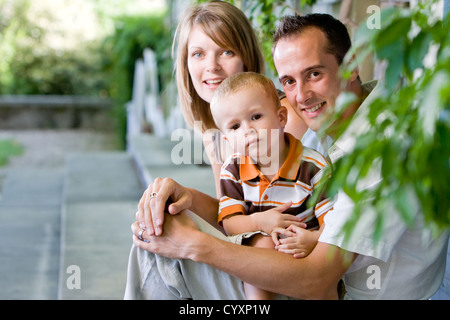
[{"x": 337, "y": 34}]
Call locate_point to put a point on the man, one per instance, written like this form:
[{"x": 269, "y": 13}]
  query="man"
[
  {"x": 307, "y": 54},
  {"x": 309, "y": 78}
]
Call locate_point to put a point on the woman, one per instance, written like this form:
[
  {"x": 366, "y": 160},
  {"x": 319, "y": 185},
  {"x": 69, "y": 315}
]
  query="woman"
[{"x": 213, "y": 41}]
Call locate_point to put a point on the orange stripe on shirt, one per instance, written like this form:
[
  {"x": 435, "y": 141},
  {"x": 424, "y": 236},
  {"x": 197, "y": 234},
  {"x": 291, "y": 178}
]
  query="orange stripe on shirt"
[{"x": 315, "y": 160}]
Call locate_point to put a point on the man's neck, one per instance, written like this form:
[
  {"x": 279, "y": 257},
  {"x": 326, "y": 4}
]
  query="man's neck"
[{"x": 361, "y": 95}]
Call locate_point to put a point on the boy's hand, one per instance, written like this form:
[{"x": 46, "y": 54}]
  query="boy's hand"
[
  {"x": 295, "y": 240},
  {"x": 268, "y": 220}
]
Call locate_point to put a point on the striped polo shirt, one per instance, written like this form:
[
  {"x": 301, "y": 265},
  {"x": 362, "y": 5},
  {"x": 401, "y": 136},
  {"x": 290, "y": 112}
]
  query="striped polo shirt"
[{"x": 246, "y": 190}]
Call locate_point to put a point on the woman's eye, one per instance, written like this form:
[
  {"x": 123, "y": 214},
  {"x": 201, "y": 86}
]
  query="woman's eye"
[{"x": 228, "y": 53}]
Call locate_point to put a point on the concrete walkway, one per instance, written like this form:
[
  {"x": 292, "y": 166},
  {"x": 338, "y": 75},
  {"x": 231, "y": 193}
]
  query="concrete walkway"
[
  {"x": 67, "y": 202},
  {"x": 66, "y": 208}
]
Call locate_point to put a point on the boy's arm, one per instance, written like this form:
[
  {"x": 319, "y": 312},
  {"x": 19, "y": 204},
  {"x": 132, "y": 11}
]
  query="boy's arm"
[{"x": 265, "y": 221}]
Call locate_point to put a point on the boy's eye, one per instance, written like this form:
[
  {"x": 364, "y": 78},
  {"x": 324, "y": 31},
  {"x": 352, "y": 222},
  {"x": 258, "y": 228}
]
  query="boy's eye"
[
  {"x": 235, "y": 126},
  {"x": 256, "y": 117}
]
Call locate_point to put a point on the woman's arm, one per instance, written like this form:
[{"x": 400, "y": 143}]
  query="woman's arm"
[{"x": 153, "y": 204}]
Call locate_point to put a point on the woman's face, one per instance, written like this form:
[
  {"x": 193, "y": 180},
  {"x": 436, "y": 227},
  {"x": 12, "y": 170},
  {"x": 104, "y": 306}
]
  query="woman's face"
[{"x": 209, "y": 64}]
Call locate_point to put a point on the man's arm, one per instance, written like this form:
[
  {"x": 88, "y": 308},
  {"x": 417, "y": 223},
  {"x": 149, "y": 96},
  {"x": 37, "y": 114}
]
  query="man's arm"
[{"x": 312, "y": 277}]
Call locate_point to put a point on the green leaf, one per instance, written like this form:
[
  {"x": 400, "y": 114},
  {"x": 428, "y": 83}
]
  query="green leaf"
[
  {"x": 392, "y": 37},
  {"x": 417, "y": 50}
]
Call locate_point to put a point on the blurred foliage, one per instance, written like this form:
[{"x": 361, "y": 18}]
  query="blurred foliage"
[
  {"x": 409, "y": 136},
  {"x": 9, "y": 148},
  {"x": 102, "y": 67},
  {"x": 30, "y": 66},
  {"x": 132, "y": 35},
  {"x": 53, "y": 72}
]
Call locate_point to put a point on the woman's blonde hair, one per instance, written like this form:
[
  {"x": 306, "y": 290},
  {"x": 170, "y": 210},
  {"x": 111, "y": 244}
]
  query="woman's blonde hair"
[{"x": 229, "y": 28}]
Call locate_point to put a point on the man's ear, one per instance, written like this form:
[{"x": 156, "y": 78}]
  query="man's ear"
[
  {"x": 282, "y": 115},
  {"x": 355, "y": 72}
]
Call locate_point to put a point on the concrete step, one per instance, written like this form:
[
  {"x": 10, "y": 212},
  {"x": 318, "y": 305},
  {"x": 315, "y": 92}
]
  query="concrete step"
[
  {"x": 101, "y": 193},
  {"x": 160, "y": 157},
  {"x": 30, "y": 233}
]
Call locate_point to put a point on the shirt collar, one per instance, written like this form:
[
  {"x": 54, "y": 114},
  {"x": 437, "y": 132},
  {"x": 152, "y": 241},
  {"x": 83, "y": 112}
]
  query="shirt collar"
[{"x": 288, "y": 170}]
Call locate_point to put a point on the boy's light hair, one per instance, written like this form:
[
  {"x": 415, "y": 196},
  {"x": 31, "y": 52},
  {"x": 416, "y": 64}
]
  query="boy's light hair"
[{"x": 243, "y": 81}]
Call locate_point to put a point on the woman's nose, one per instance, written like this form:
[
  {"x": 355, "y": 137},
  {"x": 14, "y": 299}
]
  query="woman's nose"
[{"x": 213, "y": 64}]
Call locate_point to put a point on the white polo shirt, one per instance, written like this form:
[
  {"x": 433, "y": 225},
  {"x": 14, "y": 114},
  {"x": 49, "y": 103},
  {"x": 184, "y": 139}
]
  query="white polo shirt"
[{"x": 406, "y": 263}]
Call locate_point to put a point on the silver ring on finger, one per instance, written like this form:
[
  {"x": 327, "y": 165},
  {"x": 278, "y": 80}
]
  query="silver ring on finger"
[
  {"x": 140, "y": 234},
  {"x": 153, "y": 195}
]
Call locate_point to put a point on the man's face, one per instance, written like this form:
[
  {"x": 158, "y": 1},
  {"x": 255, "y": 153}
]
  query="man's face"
[{"x": 308, "y": 74}]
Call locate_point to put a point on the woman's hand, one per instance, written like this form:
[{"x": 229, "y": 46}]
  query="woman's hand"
[{"x": 160, "y": 196}]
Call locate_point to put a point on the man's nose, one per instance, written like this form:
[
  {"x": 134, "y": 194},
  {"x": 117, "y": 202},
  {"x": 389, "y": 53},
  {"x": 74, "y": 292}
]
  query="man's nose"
[{"x": 303, "y": 93}]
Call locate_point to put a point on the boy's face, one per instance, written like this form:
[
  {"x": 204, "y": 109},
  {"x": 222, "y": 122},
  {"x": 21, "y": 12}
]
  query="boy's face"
[
  {"x": 251, "y": 122},
  {"x": 308, "y": 74}
]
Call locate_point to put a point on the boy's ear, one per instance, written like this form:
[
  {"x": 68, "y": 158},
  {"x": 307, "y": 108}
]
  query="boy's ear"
[{"x": 282, "y": 115}]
